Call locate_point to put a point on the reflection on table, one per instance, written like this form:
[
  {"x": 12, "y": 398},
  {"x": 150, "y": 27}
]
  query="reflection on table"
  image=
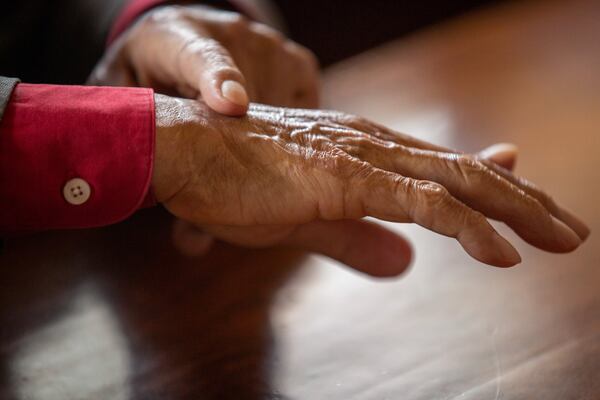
[{"x": 115, "y": 313}]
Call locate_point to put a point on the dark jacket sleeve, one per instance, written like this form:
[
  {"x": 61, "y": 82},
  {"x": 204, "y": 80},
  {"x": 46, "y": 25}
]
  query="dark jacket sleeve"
[
  {"x": 54, "y": 41},
  {"x": 6, "y": 87}
]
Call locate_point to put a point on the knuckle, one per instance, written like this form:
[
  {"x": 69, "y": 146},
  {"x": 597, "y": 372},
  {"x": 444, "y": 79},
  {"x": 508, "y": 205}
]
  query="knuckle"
[
  {"x": 402, "y": 184},
  {"x": 360, "y": 141},
  {"x": 431, "y": 194},
  {"x": 347, "y": 120},
  {"x": 319, "y": 143},
  {"x": 313, "y": 137},
  {"x": 338, "y": 162},
  {"x": 433, "y": 200},
  {"x": 357, "y": 169},
  {"x": 238, "y": 23},
  {"x": 358, "y": 150},
  {"x": 423, "y": 199},
  {"x": 475, "y": 218},
  {"x": 471, "y": 170},
  {"x": 267, "y": 35},
  {"x": 469, "y": 164},
  {"x": 316, "y": 127},
  {"x": 429, "y": 197}
]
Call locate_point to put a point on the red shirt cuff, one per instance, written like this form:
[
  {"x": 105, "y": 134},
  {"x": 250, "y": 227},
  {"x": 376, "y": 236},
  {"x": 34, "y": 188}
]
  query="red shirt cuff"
[{"x": 52, "y": 134}]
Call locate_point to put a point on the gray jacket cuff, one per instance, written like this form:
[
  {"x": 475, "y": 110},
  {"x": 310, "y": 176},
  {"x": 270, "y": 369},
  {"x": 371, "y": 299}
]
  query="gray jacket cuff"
[{"x": 6, "y": 87}]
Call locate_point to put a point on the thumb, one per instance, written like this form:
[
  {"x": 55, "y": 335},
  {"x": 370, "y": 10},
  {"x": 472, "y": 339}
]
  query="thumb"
[
  {"x": 362, "y": 245},
  {"x": 209, "y": 68},
  {"x": 503, "y": 154}
]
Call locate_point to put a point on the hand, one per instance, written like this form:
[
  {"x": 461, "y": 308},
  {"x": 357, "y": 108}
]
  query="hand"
[
  {"x": 219, "y": 56},
  {"x": 304, "y": 178},
  {"x": 201, "y": 52}
]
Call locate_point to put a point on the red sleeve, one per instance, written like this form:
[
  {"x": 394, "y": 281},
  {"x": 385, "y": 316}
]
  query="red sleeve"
[{"x": 74, "y": 156}]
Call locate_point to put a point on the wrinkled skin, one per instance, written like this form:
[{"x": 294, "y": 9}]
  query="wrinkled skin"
[
  {"x": 189, "y": 51},
  {"x": 305, "y": 178}
]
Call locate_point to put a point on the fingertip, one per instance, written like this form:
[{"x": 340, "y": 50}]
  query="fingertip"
[
  {"x": 565, "y": 237},
  {"x": 235, "y": 93},
  {"x": 364, "y": 246},
  {"x": 503, "y": 154},
  {"x": 505, "y": 255},
  {"x": 491, "y": 249},
  {"x": 388, "y": 256},
  {"x": 393, "y": 266},
  {"x": 576, "y": 224},
  {"x": 227, "y": 97}
]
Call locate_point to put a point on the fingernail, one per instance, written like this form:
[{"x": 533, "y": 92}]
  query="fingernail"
[
  {"x": 234, "y": 92},
  {"x": 565, "y": 235},
  {"x": 507, "y": 254}
]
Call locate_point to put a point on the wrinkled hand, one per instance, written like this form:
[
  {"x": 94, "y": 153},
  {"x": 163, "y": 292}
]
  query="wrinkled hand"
[
  {"x": 197, "y": 51},
  {"x": 225, "y": 59},
  {"x": 304, "y": 178}
]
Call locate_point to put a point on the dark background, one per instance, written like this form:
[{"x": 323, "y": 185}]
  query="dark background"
[
  {"x": 336, "y": 29},
  {"x": 60, "y": 41}
]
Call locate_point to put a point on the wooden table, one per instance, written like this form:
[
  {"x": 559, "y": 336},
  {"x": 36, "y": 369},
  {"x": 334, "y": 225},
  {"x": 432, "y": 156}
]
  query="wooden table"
[{"x": 115, "y": 313}]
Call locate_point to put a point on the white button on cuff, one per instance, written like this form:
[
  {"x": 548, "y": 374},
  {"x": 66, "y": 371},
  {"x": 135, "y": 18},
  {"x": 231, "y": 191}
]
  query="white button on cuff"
[{"x": 76, "y": 191}]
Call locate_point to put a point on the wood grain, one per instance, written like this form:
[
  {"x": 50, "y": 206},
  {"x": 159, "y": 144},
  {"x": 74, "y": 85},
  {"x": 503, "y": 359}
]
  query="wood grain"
[{"x": 115, "y": 313}]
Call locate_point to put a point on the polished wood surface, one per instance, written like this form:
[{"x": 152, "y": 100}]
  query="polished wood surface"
[{"x": 115, "y": 313}]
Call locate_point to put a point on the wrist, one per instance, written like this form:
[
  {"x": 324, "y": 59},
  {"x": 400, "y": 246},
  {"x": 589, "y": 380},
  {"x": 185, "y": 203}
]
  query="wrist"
[
  {"x": 166, "y": 175},
  {"x": 185, "y": 142}
]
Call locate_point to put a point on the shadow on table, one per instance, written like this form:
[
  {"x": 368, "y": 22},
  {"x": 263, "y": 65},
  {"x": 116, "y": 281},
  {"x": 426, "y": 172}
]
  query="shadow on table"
[{"x": 116, "y": 312}]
